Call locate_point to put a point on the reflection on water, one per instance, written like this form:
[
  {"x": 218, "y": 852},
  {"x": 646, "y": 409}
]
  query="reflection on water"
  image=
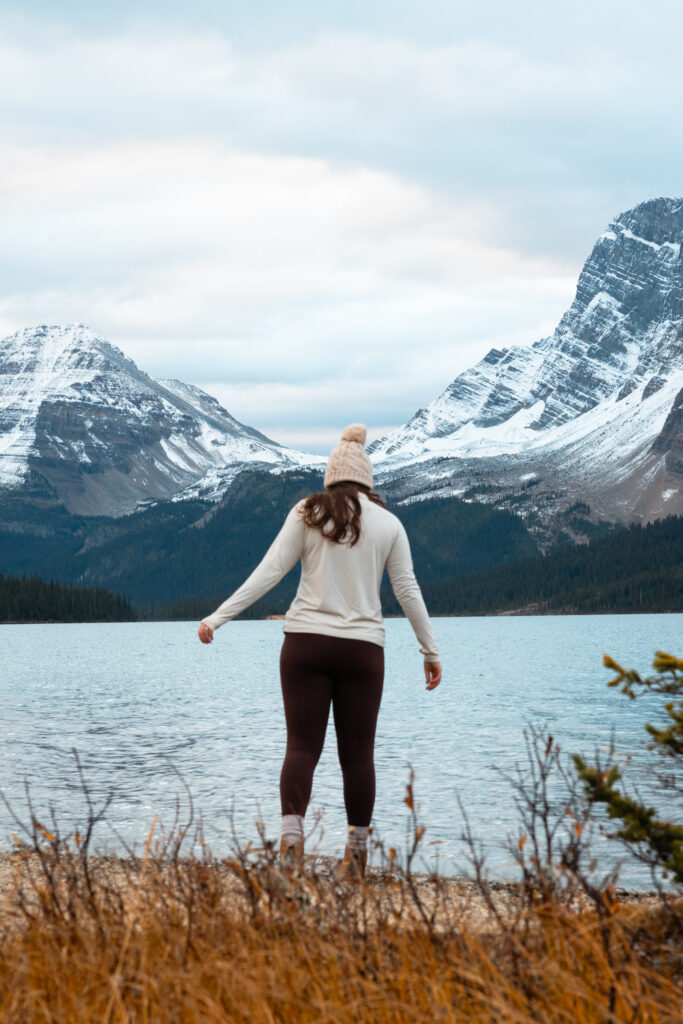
[{"x": 147, "y": 706}]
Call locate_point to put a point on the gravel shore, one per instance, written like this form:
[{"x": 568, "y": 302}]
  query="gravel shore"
[{"x": 455, "y": 899}]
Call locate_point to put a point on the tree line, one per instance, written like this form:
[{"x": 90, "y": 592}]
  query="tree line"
[
  {"x": 31, "y": 599},
  {"x": 632, "y": 569}
]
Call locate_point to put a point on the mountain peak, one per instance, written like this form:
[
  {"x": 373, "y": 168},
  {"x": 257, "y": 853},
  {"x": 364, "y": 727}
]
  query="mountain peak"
[
  {"x": 47, "y": 350},
  {"x": 81, "y": 424},
  {"x": 62, "y": 335},
  {"x": 658, "y": 221},
  {"x": 611, "y": 368}
]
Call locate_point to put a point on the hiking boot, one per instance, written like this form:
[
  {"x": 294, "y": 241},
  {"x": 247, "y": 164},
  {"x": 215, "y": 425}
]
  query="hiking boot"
[{"x": 351, "y": 868}]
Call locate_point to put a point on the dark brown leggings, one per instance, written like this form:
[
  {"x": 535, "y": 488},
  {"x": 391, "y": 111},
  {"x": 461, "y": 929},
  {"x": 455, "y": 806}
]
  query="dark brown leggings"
[{"x": 318, "y": 671}]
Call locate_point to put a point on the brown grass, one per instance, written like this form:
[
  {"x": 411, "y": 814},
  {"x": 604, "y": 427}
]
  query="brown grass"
[{"x": 165, "y": 938}]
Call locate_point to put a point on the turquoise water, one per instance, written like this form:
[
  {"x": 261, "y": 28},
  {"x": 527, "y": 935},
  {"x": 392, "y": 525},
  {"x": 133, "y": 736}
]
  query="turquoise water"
[{"x": 138, "y": 700}]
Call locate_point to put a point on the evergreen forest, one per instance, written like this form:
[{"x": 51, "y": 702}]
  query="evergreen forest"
[
  {"x": 631, "y": 569},
  {"x": 34, "y": 600}
]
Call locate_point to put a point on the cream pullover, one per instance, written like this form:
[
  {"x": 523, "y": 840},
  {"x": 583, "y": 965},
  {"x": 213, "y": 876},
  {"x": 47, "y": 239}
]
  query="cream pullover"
[{"x": 338, "y": 592}]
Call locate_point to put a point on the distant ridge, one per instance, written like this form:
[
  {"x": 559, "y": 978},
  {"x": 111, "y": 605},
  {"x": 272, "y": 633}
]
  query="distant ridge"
[
  {"x": 81, "y": 425},
  {"x": 591, "y": 408}
]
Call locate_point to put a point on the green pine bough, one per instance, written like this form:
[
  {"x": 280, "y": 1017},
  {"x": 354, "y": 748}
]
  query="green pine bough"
[{"x": 658, "y": 843}]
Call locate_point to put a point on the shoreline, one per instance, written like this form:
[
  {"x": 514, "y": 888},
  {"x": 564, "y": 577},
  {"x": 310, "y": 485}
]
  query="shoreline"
[
  {"x": 320, "y": 865},
  {"x": 527, "y": 612},
  {"x": 444, "y": 899}
]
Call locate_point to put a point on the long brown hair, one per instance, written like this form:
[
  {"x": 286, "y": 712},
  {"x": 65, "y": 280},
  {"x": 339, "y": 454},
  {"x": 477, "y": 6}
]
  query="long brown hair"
[{"x": 339, "y": 504}]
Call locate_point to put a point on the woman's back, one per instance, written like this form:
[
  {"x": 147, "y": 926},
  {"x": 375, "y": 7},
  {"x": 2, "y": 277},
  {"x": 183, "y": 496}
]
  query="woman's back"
[
  {"x": 339, "y": 589},
  {"x": 338, "y": 593}
]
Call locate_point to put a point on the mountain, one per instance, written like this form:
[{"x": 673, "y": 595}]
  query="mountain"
[
  {"x": 170, "y": 550},
  {"x": 572, "y": 434},
  {"x": 595, "y": 411},
  {"x": 82, "y": 426}
]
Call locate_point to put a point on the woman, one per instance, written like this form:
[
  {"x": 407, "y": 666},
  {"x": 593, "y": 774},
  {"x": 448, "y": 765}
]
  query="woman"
[{"x": 333, "y": 650}]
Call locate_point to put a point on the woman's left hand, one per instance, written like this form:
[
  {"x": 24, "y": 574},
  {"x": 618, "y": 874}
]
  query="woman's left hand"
[
  {"x": 205, "y": 633},
  {"x": 432, "y": 674}
]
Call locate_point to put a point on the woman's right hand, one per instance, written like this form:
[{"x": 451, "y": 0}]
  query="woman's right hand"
[
  {"x": 205, "y": 633},
  {"x": 432, "y": 674}
]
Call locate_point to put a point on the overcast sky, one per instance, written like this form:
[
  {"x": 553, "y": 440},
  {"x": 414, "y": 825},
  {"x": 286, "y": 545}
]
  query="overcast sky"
[{"x": 321, "y": 213}]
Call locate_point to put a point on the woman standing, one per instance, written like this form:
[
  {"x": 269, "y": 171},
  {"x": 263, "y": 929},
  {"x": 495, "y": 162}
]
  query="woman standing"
[{"x": 333, "y": 650}]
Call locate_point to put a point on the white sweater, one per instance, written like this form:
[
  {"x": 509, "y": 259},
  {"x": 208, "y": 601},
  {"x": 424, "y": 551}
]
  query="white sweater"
[{"x": 338, "y": 592}]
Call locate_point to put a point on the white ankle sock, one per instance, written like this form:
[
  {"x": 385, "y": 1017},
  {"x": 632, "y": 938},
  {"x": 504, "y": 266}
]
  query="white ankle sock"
[
  {"x": 358, "y": 837},
  {"x": 292, "y": 828}
]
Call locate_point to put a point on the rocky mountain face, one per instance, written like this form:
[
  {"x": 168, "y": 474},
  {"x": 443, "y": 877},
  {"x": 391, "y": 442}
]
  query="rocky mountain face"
[
  {"x": 670, "y": 438},
  {"x": 593, "y": 411},
  {"x": 81, "y": 425}
]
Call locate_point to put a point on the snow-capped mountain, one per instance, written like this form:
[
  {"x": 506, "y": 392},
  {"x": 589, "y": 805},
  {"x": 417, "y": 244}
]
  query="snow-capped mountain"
[
  {"x": 81, "y": 424},
  {"x": 593, "y": 412},
  {"x": 585, "y": 407}
]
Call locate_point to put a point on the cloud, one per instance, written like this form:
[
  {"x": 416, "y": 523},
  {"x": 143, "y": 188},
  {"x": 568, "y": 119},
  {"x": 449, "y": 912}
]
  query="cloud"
[
  {"x": 210, "y": 263},
  {"x": 339, "y": 217},
  {"x": 489, "y": 115}
]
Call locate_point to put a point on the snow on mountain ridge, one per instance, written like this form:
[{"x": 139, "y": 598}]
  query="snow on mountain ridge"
[
  {"x": 80, "y": 420},
  {"x": 625, "y": 324},
  {"x": 594, "y": 411}
]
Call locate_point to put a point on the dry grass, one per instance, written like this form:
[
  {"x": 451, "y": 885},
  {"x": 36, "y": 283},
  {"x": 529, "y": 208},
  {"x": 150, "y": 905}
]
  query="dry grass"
[
  {"x": 166, "y": 938},
  {"x": 184, "y": 937}
]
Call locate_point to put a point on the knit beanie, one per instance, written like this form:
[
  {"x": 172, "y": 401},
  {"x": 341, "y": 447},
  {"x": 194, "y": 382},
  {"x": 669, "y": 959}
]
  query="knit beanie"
[{"x": 348, "y": 460}]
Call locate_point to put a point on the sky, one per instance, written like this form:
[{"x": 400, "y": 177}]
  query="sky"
[{"x": 322, "y": 212}]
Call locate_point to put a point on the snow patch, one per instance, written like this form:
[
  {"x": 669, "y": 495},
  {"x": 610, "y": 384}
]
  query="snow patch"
[
  {"x": 602, "y": 299},
  {"x": 674, "y": 246}
]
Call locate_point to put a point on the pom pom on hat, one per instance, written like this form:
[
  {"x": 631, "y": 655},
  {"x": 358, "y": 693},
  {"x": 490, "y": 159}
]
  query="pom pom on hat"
[
  {"x": 349, "y": 460},
  {"x": 355, "y": 432}
]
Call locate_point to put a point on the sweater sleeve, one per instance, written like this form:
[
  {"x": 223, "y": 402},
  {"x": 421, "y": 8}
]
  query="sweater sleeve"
[
  {"x": 281, "y": 556},
  {"x": 408, "y": 594}
]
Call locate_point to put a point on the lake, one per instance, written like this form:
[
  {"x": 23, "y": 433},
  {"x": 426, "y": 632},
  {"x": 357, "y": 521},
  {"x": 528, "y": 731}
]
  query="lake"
[{"x": 141, "y": 702}]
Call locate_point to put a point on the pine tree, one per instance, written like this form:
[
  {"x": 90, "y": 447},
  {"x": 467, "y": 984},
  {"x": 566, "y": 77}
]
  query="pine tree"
[{"x": 659, "y": 843}]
